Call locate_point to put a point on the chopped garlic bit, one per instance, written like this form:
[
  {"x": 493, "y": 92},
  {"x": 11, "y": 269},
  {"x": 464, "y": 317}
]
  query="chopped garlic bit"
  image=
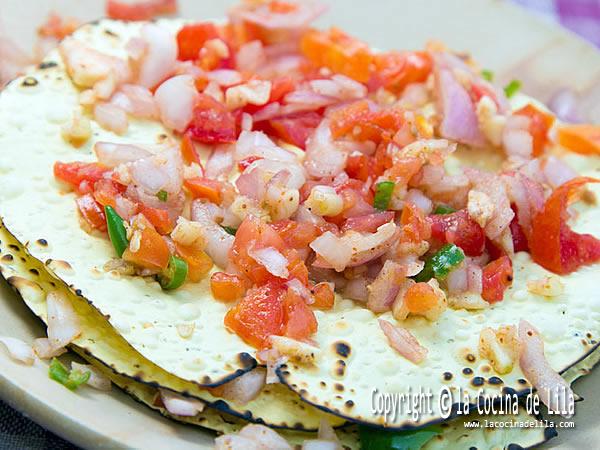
[
  {"x": 480, "y": 207},
  {"x": 550, "y": 286},
  {"x": 77, "y": 131},
  {"x": 324, "y": 201},
  {"x": 500, "y": 347},
  {"x": 188, "y": 233},
  {"x": 490, "y": 122}
]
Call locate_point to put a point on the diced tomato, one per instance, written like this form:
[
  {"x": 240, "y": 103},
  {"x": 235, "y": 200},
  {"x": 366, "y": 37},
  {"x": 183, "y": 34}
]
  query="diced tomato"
[
  {"x": 494, "y": 250},
  {"x": 212, "y": 123},
  {"x": 323, "y": 295},
  {"x": 201, "y": 187},
  {"x": 420, "y": 298},
  {"x": 460, "y": 229},
  {"x": 362, "y": 123},
  {"x": 415, "y": 226},
  {"x": 153, "y": 252},
  {"x": 395, "y": 70},
  {"x": 188, "y": 151},
  {"x": 296, "y": 267},
  {"x": 258, "y": 315},
  {"x": 553, "y": 244},
  {"x": 244, "y": 163},
  {"x": 540, "y": 123},
  {"x": 159, "y": 218},
  {"x": 368, "y": 223},
  {"x": 106, "y": 191},
  {"x": 80, "y": 175},
  {"x": 199, "y": 263},
  {"x": 295, "y": 128},
  {"x": 92, "y": 212},
  {"x": 139, "y": 10},
  {"x": 280, "y": 87},
  {"x": 339, "y": 52},
  {"x": 57, "y": 27},
  {"x": 357, "y": 166},
  {"x": 296, "y": 234},
  {"x": 254, "y": 232},
  {"x": 518, "y": 235},
  {"x": 191, "y": 39},
  {"x": 300, "y": 321},
  {"x": 404, "y": 169},
  {"x": 497, "y": 276},
  {"x": 583, "y": 139},
  {"x": 227, "y": 287}
]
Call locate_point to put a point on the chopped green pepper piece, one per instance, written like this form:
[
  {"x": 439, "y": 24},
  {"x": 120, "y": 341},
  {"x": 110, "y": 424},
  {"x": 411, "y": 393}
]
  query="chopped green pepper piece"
[
  {"x": 230, "y": 230},
  {"x": 162, "y": 195},
  {"x": 116, "y": 230},
  {"x": 512, "y": 88},
  {"x": 441, "y": 264},
  {"x": 70, "y": 379},
  {"x": 487, "y": 75},
  {"x": 383, "y": 194},
  {"x": 376, "y": 439},
  {"x": 175, "y": 273},
  {"x": 443, "y": 209}
]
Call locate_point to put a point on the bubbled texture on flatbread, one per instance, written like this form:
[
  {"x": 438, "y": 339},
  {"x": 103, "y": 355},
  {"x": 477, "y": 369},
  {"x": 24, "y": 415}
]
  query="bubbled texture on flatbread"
[
  {"x": 356, "y": 359},
  {"x": 276, "y": 405},
  {"x": 33, "y": 207}
]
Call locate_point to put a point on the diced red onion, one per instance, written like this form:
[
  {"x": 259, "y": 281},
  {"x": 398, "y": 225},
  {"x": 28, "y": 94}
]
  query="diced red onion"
[
  {"x": 96, "y": 380},
  {"x": 420, "y": 200},
  {"x": 323, "y": 158},
  {"x": 18, "y": 350},
  {"x": 111, "y": 118},
  {"x": 264, "y": 437},
  {"x": 458, "y": 280},
  {"x": 44, "y": 349},
  {"x": 175, "y": 99},
  {"x": 299, "y": 288},
  {"x": 552, "y": 389},
  {"x": 160, "y": 57},
  {"x": 225, "y": 77},
  {"x": 220, "y": 161},
  {"x": 270, "y": 259},
  {"x": 401, "y": 340},
  {"x": 334, "y": 251},
  {"x": 557, "y": 171},
  {"x": 474, "y": 278},
  {"x": 242, "y": 390},
  {"x": 179, "y": 405},
  {"x": 256, "y": 143},
  {"x": 111, "y": 154},
  {"x": 63, "y": 323},
  {"x": 384, "y": 289},
  {"x": 250, "y": 57},
  {"x": 218, "y": 241},
  {"x": 564, "y": 103}
]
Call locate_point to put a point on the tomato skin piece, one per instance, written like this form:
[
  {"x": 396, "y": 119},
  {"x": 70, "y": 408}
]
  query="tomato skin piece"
[
  {"x": 141, "y": 10},
  {"x": 153, "y": 253},
  {"x": 80, "y": 175},
  {"x": 201, "y": 187},
  {"x": 539, "y": 125},
  {"x": 199, "y": 263},
  {"x": 211, "y": 122},
  {"x": 188, "y": 152},
  {"x": 258, "y": 315},
  {"x": 396, "y": 70},
  {"x": 415, "y": 226},
  {"x": 246, "y": 162},
  {"x": 519, "y": 238},
  {"x": 227, "y": 287},
  {"x": 296, "y": 235},
  {"x": 92, "y": 212},
  {"x": 300, "y": 321},
  {"x": 420, "y": 298},
  {"x": 253, "y": 231},
  {"x": 553, "y": 244},
  {"x": 191, "y": 39},
  {"x": 295, "y": 128},
  {"x": 584, "y": 139},
  {"x": 323, "y": 295},
  {"x": 460, "y": 229},
  {"x": 339, "y": 52},
  {"x": 497, "y": 276},
  {"x": 159, "y": 218}
]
